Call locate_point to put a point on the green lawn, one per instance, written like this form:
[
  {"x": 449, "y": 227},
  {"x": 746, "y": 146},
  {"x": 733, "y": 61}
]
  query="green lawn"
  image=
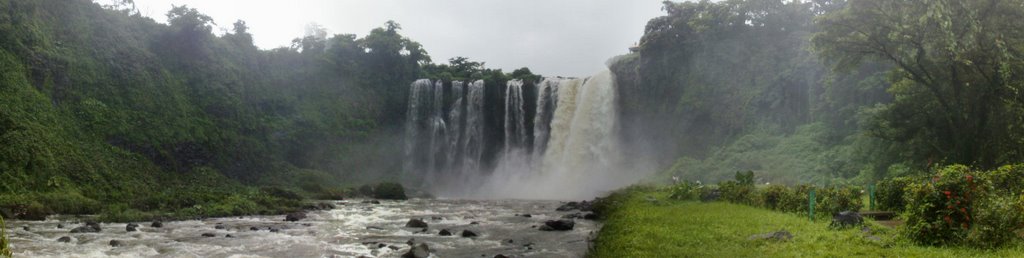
[{"x": 639, "y": 227}]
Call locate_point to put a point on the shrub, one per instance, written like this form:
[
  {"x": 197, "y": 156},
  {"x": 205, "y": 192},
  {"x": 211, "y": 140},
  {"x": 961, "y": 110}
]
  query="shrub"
[
  {"x": 5, "y": 246},
  {"x": 940, "y": 212},
  {"x": 686, "y": 191},
  {"x": 889, "y": 193},
  {"x": 774, "y": 197},
  {"x": 735, "y": 192},
  {"x": 833, "y": 200},
  {"x": 389, "y": 191},
  {"x": 997, "y": 218}
]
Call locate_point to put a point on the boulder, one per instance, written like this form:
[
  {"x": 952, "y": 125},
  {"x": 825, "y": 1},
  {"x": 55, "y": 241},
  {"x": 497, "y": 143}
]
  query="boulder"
[
  {"x": 254, "y": 228},
  {"x": 116, "y": 243},
  {"x": 157, "y": 224},
  {"x": 467, "y": 233},
  {"x": 90, "y": 227},
  {"x": 64, "y": 239},
  {"x": 389, "y": 191},
  {"x": 131, "y": 227},
  {"x": 568, "y": 206},
  {"x": 418, "y": 251},
  {"x": 229, "y": 236},
  {"x": 558, "y": 225},
  {"x": 582, "y": 206},
  {"x": 208, "y": 235},
  {"x": 295, "y": 216},
  {"x": 60, "y": 225},
  {"x": 781, "y": 235},
  {"x": 444, "y": 232},
  {"x": 846, "y": 219},
  {"x": 218, "y": 227},
  {"x": 26, "y": 228},
  {"x": 416, "y": 223}
]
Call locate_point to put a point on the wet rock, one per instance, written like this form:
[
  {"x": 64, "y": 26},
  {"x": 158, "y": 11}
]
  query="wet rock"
[
  {"x": 510, "y": 241},
  {"x": 254, "y": 228},
  {"x": 467, "y": 233},
  {"x": 229, "y": 236},
  {"x": 475, "y": 223},
  {"x": 307, "y": 224},
  {"x": 208, "y": 235},
  {"x": 394, "y": 248},
  {"x": 418, "y": 251},
  {"x": 525, "y": 215},
  {"x": 436, "y": 218},
  {"x": 131, "y": 227},
  {"x": 374, "y": 228},
  {"x": 157, "y": 224},
  {"x": 590, "y": 216},
  {"x": 416, "y": 223},
  {"x": 116, "y": 243},
  {"x": 411, "y": 242},
  {"x": 781, "y": 235},
  {"x": 500, "y": 256},
  {"x": 846, "y": 219},
  {"x": 295, "y": 216},
  {"x": 274, "y": 230},
  {"x": 558, "y": 225},
  {"x": 573, "y": 216},
  {"x": 582, "y": 206},
  {"x": 371, "y": 202},
  {"x": 90, "y": 227},
  {"x": 218, "y": 227},
  {"x": 64, "y": 239},
  {"x": 26, "y": 228},
  {"x": 444, "y": 232},
  {"x": 60, "y": 225}
]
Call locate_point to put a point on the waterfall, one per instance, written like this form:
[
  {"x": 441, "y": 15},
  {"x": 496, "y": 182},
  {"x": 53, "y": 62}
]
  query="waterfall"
[
  {"x": 571, "y": 151},
  {"x": 473, "y": 135},
  {"x": 515, "y": 117},
  {"x": 455, "y": 121},
  {"x": 547, "y": 100}
]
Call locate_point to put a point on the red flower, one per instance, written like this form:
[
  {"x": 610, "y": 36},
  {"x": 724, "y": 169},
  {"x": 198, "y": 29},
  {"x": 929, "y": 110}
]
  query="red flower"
[{"x": 947, "y": 193}]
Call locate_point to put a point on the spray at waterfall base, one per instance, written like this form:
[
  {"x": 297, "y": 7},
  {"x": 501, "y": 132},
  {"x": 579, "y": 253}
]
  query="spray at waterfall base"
[{"x": 558, "y": 138}]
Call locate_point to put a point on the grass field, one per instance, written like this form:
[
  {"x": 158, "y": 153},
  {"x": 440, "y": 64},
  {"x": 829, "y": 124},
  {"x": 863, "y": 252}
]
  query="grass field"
[{"x": 645, "y": 223}]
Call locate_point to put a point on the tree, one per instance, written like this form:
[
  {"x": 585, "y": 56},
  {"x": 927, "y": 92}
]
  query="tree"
[{"x": 956, "y": 77}]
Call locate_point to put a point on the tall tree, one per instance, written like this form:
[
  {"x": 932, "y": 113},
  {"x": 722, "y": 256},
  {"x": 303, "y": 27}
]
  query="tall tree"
[{"x": 957, "y": 73}]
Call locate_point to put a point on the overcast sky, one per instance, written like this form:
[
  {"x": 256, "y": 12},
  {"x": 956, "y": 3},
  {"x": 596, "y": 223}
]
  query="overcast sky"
[{"x": 551, "y": 37}]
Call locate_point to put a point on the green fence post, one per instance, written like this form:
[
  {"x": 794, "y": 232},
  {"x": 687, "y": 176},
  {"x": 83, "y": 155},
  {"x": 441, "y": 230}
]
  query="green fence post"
[
  {"x": 811, "y": 202},
  {"x": 871, "y": 194}
]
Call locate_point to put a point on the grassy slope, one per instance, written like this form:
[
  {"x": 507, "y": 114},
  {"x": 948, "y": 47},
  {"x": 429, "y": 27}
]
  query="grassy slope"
[{"x": 636, "y": 227}]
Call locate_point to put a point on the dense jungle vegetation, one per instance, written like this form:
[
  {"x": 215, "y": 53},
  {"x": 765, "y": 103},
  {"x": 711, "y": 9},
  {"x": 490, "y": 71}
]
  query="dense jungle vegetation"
[
  {"x": 105, "y": 110},
  {"x": 826, "y": 91}
]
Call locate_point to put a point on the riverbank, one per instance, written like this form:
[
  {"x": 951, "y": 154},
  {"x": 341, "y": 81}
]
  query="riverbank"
[{"x": 644, "y": 222}]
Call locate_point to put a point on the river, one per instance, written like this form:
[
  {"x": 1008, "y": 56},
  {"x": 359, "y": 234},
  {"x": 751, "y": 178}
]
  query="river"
[{"x": 352, "y": 229}]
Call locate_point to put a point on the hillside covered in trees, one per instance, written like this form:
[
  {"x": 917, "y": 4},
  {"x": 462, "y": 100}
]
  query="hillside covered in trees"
[
  {"x": 102, "y": 107},
  {"x": 825, "y": 92}
]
